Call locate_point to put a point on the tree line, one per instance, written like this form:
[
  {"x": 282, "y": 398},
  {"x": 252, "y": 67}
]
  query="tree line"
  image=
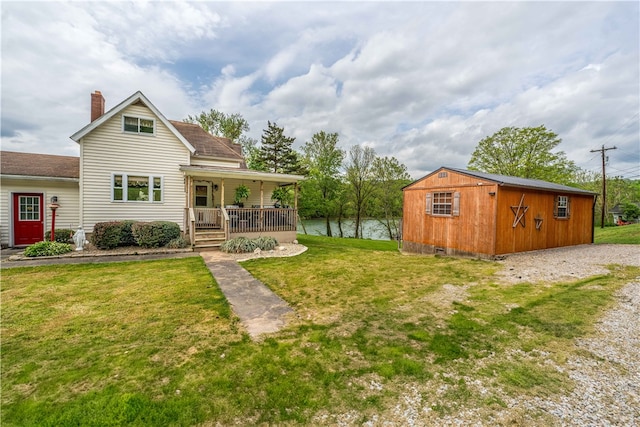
[{"x": 358, "y": 184}]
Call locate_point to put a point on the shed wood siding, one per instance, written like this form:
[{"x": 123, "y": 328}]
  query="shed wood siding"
[
  {"x": 485, "y": 226},
  {"x": 470, "y": 231},
  {"x": 553, "y": 233},
  {"x": 66, "y": 214},
  {"x": 108, "y": 149}
]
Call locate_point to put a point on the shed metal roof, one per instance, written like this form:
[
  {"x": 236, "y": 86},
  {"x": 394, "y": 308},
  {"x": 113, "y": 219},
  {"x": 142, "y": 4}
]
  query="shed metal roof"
[{"x": 514, "y": 181}]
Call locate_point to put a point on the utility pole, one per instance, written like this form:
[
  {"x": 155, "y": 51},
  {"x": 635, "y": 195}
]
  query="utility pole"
[{"x": 604, "y": 182}]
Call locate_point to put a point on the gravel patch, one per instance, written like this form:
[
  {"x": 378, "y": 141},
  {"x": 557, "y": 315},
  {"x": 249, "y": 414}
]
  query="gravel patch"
[{"x": 568, "y": 263}]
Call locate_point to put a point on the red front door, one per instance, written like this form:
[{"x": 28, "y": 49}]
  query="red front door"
[{"x": 28, "y": 218}]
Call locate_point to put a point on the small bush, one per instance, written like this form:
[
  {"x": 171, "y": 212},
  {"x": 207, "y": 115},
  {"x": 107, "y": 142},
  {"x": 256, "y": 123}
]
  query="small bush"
[
  {"x": 155, "y": 234},
  {"x": 241, "y": 245},
  {"x": 178, "y": 243},
  {"x": 62, "y": 235},
  {"x": 126, "y": 235},
  {"x": 266, "y": 243},
  {"x": 107, "y": 235},
  {"x": 47, "y": 249}
]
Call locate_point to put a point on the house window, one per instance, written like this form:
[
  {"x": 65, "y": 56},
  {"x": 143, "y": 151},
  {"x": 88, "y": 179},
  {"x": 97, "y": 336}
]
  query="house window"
[
  {"x": 443, "y": 203},
  {"x": 136, "y": 188},
  {"x": 442, "y": 174},
  {"x": 561, "y": 208},
  {"x": 138, "y": 125}
]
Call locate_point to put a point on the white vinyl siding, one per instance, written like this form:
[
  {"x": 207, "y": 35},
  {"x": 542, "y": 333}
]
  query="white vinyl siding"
[
  {"x": 215, "y": 163},
  {"x": 107, "y": 150},
  {"x": 68, "y": 199}
]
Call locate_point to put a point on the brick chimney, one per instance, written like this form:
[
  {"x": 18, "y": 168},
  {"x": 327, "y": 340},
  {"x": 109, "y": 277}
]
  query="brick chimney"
[{"x": 97, "y": 105}]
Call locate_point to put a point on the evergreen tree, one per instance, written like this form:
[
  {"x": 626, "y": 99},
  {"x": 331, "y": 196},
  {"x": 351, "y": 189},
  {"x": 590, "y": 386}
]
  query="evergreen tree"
[{"x": 276, "y": 153}]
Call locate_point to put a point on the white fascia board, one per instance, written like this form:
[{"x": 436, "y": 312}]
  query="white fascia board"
[
  {"x": 138, "y": 96},
  {"x": 241, "y": 174}
]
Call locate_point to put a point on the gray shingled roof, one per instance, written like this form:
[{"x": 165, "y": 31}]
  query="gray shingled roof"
[
  {"x": 207, "y": 144},
  {"x": 44, "y": 165},
  {"x": 514, "y": 181}
]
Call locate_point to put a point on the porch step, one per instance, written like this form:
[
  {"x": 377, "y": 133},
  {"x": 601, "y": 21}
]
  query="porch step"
[{"x": 208, "y": 240}]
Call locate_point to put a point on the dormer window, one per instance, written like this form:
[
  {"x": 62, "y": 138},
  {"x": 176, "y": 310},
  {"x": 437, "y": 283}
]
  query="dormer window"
[{"x": 138, "y": 125}]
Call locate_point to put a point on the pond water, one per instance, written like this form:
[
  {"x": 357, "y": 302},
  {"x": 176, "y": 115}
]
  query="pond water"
[{"x": 371, "y": 228}]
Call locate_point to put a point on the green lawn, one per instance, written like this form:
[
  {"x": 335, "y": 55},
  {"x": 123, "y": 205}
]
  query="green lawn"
[
  {"x": 626, "y": 234},
  {"x": 155, "y": 343}
]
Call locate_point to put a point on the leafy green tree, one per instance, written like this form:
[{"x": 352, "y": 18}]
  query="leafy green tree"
[
  {"x": 631, "y": 211},
  {"x": 361, "y": 179},
  {"x": 276, "y": 152},
  {"x": 390, "y": 176},
  {"x": 524, "y": 152},
  {"x": 217, "y": 123},
  {"x": 619, "y": 190},
  {"x": 232, "y": 126},
  {"x": 323, "y": 160}
]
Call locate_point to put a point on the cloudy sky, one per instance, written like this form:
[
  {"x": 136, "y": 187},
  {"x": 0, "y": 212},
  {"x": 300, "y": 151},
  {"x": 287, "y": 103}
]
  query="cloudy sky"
[{"x": 420, "y": 81}]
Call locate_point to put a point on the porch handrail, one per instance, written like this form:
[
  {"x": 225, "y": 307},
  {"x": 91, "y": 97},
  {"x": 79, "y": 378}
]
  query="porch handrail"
[
  {"x": 225, "y": 222},
  {"x": 192, "y": 225}
]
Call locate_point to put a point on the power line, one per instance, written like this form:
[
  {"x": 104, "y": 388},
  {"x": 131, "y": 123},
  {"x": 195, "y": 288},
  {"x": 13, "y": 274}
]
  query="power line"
[{"x": 604, "y": 182}]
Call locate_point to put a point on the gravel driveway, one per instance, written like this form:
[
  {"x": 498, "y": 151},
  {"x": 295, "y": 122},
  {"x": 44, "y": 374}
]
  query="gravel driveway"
[
  {"x": 607, "y": 384},
  {"x": 606, "y": 375}
]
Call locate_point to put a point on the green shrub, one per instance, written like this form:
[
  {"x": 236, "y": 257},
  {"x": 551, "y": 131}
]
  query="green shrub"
[
  {"x": 62, "y": 235},
  {"x": 241, "y": 245},
  {"x": 155, "y": 234},
  {"x": 47, "y": 249},
  {"x": 107, "y": 235},
  {"x": 266, "y": 243},
  {"x": 178, "y": 243},
  {"x": 238, "y": 245},
  {"x": 126, "y": 235}
]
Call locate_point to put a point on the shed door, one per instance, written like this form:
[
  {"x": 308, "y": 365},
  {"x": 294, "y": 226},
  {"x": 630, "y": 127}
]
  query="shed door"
[{"x": 28, "y": 218}]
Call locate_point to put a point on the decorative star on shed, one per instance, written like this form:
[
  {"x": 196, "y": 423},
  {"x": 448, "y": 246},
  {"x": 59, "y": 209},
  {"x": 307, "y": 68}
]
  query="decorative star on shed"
[{"x": 518, "y": 212}]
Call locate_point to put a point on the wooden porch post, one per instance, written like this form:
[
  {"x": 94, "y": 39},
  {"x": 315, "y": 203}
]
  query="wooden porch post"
[
  {"x": 261, "y": 194},
  {"x": 222, "y": 193}
]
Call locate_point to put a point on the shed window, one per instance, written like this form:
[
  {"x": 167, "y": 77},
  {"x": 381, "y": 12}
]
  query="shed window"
[
  {"x": 562, "y": 207},
  {"x": 138, "y": 125},
  {"x": 136, "y": 188},
  {"x": 443, "y": 203}
]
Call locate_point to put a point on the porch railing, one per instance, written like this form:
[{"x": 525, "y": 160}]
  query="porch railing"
[
  {"x": 241, "y": 220},
  {"x": 208, "y": 217},
  {"x": 247, "y": 220}
]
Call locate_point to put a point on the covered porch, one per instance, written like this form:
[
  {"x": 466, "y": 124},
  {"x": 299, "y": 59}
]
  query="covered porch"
[{"x": 214, "y": 214}]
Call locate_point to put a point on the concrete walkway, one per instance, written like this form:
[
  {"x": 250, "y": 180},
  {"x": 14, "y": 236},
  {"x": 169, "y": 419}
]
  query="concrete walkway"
[{"x": 259, "y": 309}]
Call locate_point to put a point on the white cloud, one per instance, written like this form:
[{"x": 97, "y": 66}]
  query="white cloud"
[{"x": 423, "y": 82}]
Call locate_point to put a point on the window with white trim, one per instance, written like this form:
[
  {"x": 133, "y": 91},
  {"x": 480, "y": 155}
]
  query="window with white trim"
[
  {"x": 136, "y": 188},
  {"x": 443, "y": 203},
  {"x": 561, "y": 207},
  {"x": 139, "y": 125}
]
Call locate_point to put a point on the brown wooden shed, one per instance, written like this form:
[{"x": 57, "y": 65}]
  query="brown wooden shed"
[{"x": 469, "y": 213}]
